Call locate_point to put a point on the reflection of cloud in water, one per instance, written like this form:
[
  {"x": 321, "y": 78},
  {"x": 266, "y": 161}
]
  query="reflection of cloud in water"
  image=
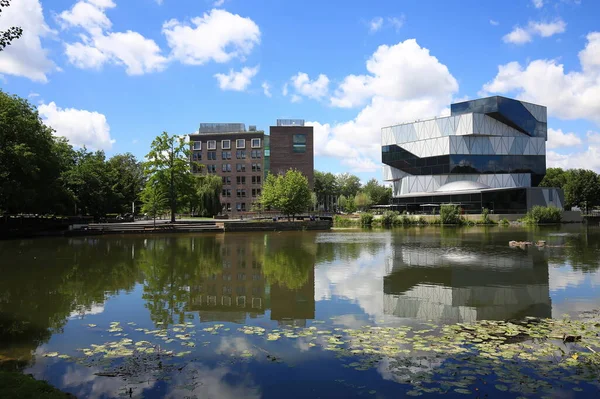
[
  {"x": 402, "y": 370},
  {"x": 81, "y": 311},
  {"x": 100, "y": 386},
  {"x": 562, "y": 277},
  {"x": 234, "y": 345},
  {"x": 212, "y": 383}
]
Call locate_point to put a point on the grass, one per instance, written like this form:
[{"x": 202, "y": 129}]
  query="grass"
[{"x": 15, "y": 385}]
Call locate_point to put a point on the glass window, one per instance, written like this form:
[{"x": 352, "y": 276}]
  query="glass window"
[
  {"x": 225, "y": 144},
  {"x": 299, "y": 139},
  {"x": 299, "y": 148},
  {"x": 244, "y": 206},
  {"x": 211, "y": 144},
  {"x": 197, "y": 145},
  {"x": 240, "y": 143},
  {"x": 255, "y": 143}
]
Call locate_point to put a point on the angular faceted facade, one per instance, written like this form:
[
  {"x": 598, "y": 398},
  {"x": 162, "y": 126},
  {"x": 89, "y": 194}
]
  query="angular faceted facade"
[{"x": 488, "y": 143}]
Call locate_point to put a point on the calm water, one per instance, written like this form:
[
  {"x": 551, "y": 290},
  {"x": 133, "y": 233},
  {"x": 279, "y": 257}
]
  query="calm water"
[{"x": 195, "y": 306}]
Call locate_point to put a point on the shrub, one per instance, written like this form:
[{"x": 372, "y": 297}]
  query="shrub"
[
  {"x": 339, "y": 221},
  {"x": 450, "y": 214},
  {"x": 422, "y": 220},
  {"x": 366, "y": 219},
  {"x": 388, "y": 218},
  {"x": 543, "y": 214},
  {"x": 504, "y": 222}
]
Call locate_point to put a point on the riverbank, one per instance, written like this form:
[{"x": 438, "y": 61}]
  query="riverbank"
[{"x": 15, "y": 385}]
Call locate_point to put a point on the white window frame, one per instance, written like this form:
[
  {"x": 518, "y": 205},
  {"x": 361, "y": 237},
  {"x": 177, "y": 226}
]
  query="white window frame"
[
  {"x": 228, "y": 142},
  {"x": 199, "y": 145},
  {"x": 255, "y": 146},
  {"x": 213, "y": 146},
  {"x": 237, "y": 143}
]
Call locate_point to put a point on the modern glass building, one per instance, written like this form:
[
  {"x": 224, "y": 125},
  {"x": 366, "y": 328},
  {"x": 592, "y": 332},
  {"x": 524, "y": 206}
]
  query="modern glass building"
[{"x": 489, "y": 153}]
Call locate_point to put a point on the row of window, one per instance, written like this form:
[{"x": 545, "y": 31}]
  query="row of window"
[
  {"x": 226, "y": 144},
  {"x": 239, "y": 154},
  {"x": 241, "y": 179},
  {"x": 240, "y": 192}
]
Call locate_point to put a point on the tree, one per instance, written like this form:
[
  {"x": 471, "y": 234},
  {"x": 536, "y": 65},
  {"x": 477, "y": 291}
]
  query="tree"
[
  {"x": 555, "y": 177},
  {"x": 350, "y": 205},
  {"x": 208, "y": 191},
  {"x": 168, "y": 164},
  {"x": 127, "y": 175},
  {"x": 154, "y": 200},
  {"x": 380, "y": 195},
  {"x": 349, "y": 185},
  {"x": 362, "y": 201},
  {"x": 12, "y": 33},
  {"x": 289, "y": 193},
  {"x": 582, "y": 188},
  {"x": 326, "y": 188},
  {"x": 342, "y": 202}
]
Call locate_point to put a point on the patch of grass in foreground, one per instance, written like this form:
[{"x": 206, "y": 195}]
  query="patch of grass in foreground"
[{"x": 15, "y": 385}]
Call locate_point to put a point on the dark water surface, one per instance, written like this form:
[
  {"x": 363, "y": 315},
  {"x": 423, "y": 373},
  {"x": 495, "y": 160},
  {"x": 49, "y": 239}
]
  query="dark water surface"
[{"x": 272, "y": 315}]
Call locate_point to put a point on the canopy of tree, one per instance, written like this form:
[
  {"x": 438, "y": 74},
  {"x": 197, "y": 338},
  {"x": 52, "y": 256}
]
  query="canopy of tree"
[
  {"x": 12, "y": 33},
  {"x": 342, "y": 190},
  {"x": 581, "y": 186},
  {"x": 288, "y": 193}
]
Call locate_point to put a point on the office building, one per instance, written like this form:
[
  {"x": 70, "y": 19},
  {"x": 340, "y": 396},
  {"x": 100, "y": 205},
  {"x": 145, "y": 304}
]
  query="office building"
[
  {"x": 236, "y": 155},
  {"x": 489, "y": 153},
  {"x": 292, "y": 146}
]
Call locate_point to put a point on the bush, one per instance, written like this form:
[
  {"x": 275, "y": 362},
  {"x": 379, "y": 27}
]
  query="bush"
[
  {"x": 422, "y": 220},
  {"x": 543, "y": 214},
  {"x": 366, "y": 219},
  {"x": 450, "y": 214},
  {"x": 339, "y": 221},
  {"x": 504, "y": 222},
  {"x": 389, "y": 218}
]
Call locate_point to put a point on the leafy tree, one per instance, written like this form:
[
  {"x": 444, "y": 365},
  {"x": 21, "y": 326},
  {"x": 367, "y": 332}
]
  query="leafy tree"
[
  {"x": 555, "y": 177},
  {"x": 362, "y": 201},
  {"x": 349, "y": 185},
  {"x": 379, "y": 194},
  {"x": 582, "y": 188},
  {"x": 168, "y": 164},
  {"x": 208, "y": 195},
  {"x": 325, "y": 187},
  {"x": 154, "y": 200},
  {"x": 289, "y": 193},
  {"x": 127, "y": 175},
  {"x": 12, "y": 33},
  {"x": 342, "y": 202},
  {"x": 31, "y": 160},
  {"x": 350, "y": 205}
]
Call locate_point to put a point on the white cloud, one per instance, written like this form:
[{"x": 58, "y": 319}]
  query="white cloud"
[
  {"x": 588, "y": 159},
  {"x": 593, "y": 137},
  {"x": 493, "y": 22},
  {"x": 517, "y": 36},
  {"x": 284, "y": 90},
  {"x": 266, "y": 89},
  {"x": 138, "y": 54},
  {"x": 558, "y": 139},
  {"x": 33, "y": 95},
  {"x": 397, "y": 22},
  {"x": 404, "y": 82},
  {"x": 538, "y": 3},
  {"x": 316, "y": 89},
  {"x": 571, "y": 95},
  {"x": 25, "y": 56},
  {"x": 218, "y": 36},
  {"x": 81, "y": 127},
  {"x": 521, "y": 35},
  {"x": 218, "y": 3},
  {"x": 236, "y": 81},
  {"x": 295, "y": 98},
  {"x": 375, "y": 24}
]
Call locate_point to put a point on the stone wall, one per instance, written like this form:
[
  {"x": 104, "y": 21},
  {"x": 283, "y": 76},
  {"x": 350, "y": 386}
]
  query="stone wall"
[{"x": 277, "y": 226}]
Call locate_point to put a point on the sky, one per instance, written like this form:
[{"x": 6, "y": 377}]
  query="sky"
[{"x": 113, "y": 74}]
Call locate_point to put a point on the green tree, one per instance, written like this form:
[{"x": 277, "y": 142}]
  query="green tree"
[
  {"x": 208, "y": 189},
  {"x": 379, "y": 194},
  {"x": 326, "y": 188},
  {"x": 154, "y": 200},
  {"x": 127, "y": 175},
  {"x": 362, "y": 201},
  {"x": 31, "y": 162},
  {"x": 350, "y": 205},
  {"x": 12, "y": 33},
  {"x": 349, "y": 185},
  {"x": 168, "y": 164},
  {"x": 289, "y": 193},
  {"x": 342, "y": 202},
  {"x": 582, "y": 188},
  {"x": 555, "y": 177}
]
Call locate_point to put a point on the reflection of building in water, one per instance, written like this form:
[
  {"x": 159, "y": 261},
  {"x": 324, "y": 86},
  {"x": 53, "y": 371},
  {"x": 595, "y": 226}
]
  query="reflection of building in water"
[
  {"x": 293, "y": 307},
  {"x": 461, "y": 286},
  {"x": 239, "y": 291}
]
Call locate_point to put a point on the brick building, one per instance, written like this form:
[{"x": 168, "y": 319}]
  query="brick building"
[{"x": 292, "y": 146}]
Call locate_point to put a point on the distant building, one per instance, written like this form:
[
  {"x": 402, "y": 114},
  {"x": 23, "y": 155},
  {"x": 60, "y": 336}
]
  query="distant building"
[
  {"x": 236, "y": 155},
  {"x": 489, "y": 153},
  {"x": 292, "y": 146}
]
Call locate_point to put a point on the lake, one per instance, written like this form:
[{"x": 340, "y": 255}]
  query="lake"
[{"x": 338, "y": 314}]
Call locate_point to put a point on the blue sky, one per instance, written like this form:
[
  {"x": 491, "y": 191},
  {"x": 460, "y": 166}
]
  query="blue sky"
[{"x": 112, "y": 74}]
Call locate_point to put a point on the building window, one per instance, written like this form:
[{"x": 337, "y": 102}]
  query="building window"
[
  {"x": 211, "y": 155},
  {"x": 226, "y": 192},
  {"x": 256, "y": 167},
  {"x": 241, "y": 179},
  {"x": 197, "y": 156},
  {"x": 240, "y": 154},
  {"x": 226, "y": 155},
  {"x": 211, "y": 144},
  {"x": 229, "y": 207},
  {"x": 256, "y": 154},
  {"x": 243, "y": 203},
  {"x": 226, "y": 167},
  {"x": 225, "y": 144},
  {"x": 255, "y": 143},
  {"x": 238, "y": 206},
  {"x": 255, "y": 179},
  {"x": 197, "y": 145},
  {"x": 211, "y": 168},
  {"x": 240, "y": 143},
  {"x": 299, "y": 142},
  {"x": 226, "y": 180},
  {"x": 240, "y": 167}
]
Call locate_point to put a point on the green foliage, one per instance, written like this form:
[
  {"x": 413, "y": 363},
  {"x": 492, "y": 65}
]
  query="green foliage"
[
  {"x": 288, "y": 193},
  {"x": 379, "y": 194},
  {"x": 543, "y": 214},
  {"x": 348, "y": 185},
  {"x": 555, "y": 177},
  {"x": 366, "y": 219},
  {"x": 389, "y": 218},
  {"x": 155, "y": 200},
  {"x": 127, "y": 180},
  {"x": 450, "y": 214},
  {"x": 208, "y": 191},
  {"x": 350, "y": 206},
  {"x": 326, "y": 188},
  {"x": 504, "y": 222},
  {"x": 340, "y": 221},
  {"x": 168, "y": 165},
  {"x": 12, "y": 33},
  {"x": 485, "y": 217},
  {"x": 23, "y": 386},
  {"x": 362, "y": 201},
  {"x": 582, "y": 188}
]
